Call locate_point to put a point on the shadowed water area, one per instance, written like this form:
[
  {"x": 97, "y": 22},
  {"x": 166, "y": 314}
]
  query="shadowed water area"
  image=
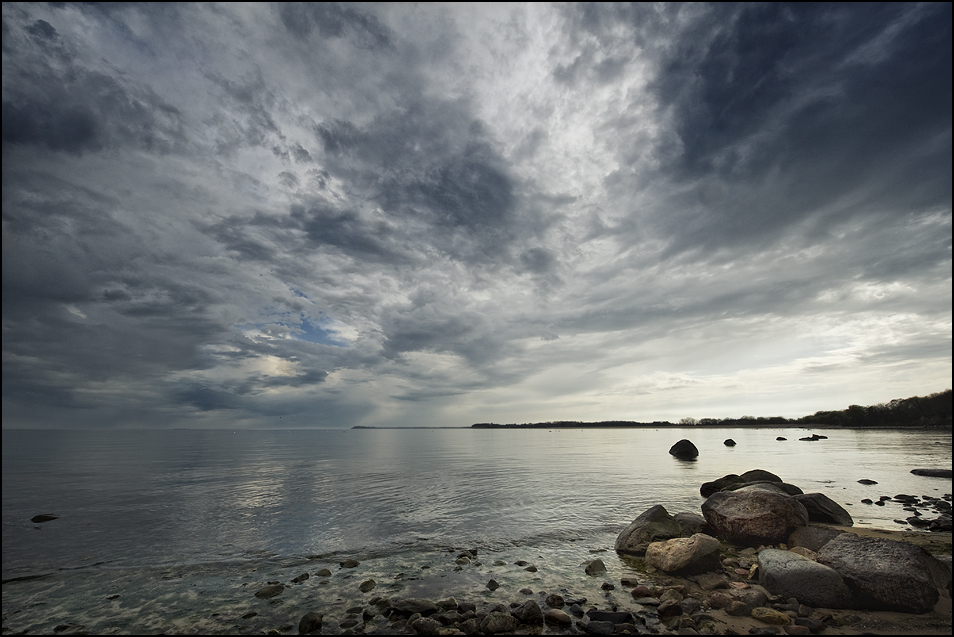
[{"x": 174, "y": 531}]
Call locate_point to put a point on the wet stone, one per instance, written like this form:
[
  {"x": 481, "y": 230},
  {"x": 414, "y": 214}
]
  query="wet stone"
[
  {"x": 270, "y": 591},
  {"x": 323, "y": 573},
  {"x": 349, "y": 563},
  {"x": 493, "y": 585},
  {"x": 367, "y": 585}
]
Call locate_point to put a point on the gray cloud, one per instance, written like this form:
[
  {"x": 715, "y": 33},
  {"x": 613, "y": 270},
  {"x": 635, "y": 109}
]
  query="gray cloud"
[{"x": 337, "y": 214}]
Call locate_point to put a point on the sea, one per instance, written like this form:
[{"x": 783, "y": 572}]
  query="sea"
[{"x": 173, "y": 531}]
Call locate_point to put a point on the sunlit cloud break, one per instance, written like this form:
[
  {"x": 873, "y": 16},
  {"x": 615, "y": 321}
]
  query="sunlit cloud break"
[{"x": 331, "y": 215}]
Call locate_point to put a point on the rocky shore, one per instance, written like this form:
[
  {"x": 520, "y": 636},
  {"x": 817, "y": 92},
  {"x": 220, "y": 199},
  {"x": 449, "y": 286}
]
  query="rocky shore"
[
  {"x": 763, "y": 558},
  {"x": 760, "y": 557}
]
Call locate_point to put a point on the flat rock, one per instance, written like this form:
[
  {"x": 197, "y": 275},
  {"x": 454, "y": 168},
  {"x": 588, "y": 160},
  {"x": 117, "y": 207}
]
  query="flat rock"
[
  {"x": 932, "y": 473},
  {"x": 753, "y": 517},
  {"x": 685, "y": 556},
  {"x": 790, "y": 575},
  {"x": 652, "y": 525},
  {"x": 43, "y": 517},
  {"x": 886, "y": 574},
  {"x": 411, "y": 605},
  {"x": 823, "y": 509},
  {"x": 771, "y": 616}
]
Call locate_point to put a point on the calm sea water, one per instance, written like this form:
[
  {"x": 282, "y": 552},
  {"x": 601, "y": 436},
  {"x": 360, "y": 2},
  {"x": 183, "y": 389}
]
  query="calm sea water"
[{"x": 152, "y": 515}]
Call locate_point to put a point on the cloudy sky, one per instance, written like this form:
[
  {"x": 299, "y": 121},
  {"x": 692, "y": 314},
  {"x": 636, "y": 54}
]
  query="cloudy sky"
[{"x": 336, "y": 215}]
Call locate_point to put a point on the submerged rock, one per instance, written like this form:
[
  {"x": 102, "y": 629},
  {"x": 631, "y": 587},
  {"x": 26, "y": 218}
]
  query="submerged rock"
[
  {"x": 43, "y": 517},
  {"x": 932, "y": 473},
  {"x": 595, "y": 567}
]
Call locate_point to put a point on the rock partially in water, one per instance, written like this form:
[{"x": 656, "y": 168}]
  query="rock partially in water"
[
  {"x": 493, "y": 585},
  {"x": 43, "y": 517},
  {"x": 823, "y": 509},
  {"x": 866, "y": 481},
  {"x": 349, "y": 563},
  {"x": 728, "y": 442},
  {"x": 556, "y": 617},
  {"x": 367, "y": 585},
  {"x": 595, "y": 567},
  {"x": 652, "y": 525},
  {"x": 684, "y": 449},
  {"x": 323, "y": 573},
  {"x": 301, "y": 578},
  {"x": 932, "y": 473}
]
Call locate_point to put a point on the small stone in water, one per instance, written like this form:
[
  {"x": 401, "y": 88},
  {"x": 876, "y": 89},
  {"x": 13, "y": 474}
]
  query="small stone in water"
[
  {"x": 350, "y": 563},
  {"x": 493, "y": 585}
]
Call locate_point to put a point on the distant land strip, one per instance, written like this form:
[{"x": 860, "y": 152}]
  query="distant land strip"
[{"x": 932, "y": 411}]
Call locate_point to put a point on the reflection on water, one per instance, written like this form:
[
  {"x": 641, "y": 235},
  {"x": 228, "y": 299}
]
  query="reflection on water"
[
  {"x": 183, "y": 525},
  {"x": 146, "y": 497}
]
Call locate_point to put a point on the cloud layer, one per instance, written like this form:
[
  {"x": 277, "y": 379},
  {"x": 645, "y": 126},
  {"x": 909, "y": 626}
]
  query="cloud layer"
[{"x": 329, "y": 215}]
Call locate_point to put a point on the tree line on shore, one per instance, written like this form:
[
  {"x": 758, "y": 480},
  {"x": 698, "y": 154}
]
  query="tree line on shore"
[{"x": 933, "y": 410}]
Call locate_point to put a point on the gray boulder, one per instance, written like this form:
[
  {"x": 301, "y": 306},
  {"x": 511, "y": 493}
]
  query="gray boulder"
[
  {"x": 530, "y": 613},
  {"x": 823, "y": 509},
  {"x": 685, "y": 556},
  {"x": 790, "y": 575},
  {"x": 812, "y": 537},
  {"x": 691, "y": 523},
  {"x": 708, "y": 488},
  {"x": 766, "y": 485},
  {"x": 760, "y": 475},
  {"x": 752, "y": 517},
  {"x": 652, "y": 525},
  {"x": 310, "y": 623},
  {"x": 886, "y": 574},
  {"x": 497, "y": 622},
  {"x": 684, "y": 449}
]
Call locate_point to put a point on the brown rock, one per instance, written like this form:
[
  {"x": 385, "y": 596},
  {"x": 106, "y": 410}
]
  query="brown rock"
[
  {"x": 753, "y": 517},
  {"x": 771, "y": 616},
  {"x": 685, "y": 556}
]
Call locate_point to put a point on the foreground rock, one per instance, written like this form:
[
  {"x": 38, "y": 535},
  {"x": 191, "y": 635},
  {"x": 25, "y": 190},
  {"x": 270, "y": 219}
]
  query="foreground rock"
[
  {"x": 685, "y": 556},
  {"x": 684, "y": 449},
  {"x": 727, "y": 481},
  {"x": 751, "y": 517},
  {"x": 790, "y": 575},
  {"x": 823, "y": 509},
  {"x": 886, "y": 574},
  {"x": 652, "y": 525}
]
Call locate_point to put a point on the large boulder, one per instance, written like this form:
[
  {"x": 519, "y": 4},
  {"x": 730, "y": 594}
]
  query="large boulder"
[
  {"x": 691, "y": 523},
  {"x": 765, "y": 485},
  {"x": 760, "y": 475},
  {"x": 823, "y": 509},
  {"x": 812, "y": 537},
  {"x": 886, "y": 574},
  {"x": 685, "y": 556},
  {"x": 684, "y": 449},
  {"x": 753, "y": 516},
  {"x": 790, "y": 575},
  {"x": 652, "y": 525},
  {"x": 727, "y": 481}
]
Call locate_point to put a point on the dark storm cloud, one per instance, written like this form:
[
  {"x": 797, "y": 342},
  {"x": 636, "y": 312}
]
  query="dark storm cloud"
[
  {"x": 334, "y": 20},
  {"x": 780, "y": 110},
  {"x": 51, "y": 101},
  {"x": 334, "y": 212}
]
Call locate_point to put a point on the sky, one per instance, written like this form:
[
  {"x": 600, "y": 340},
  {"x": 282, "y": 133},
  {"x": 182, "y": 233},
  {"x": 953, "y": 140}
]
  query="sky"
[{"x": 332, "y": 215}]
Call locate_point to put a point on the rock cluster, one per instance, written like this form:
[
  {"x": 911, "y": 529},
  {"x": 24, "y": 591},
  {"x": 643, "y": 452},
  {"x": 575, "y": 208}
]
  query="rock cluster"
[{"x": 815, "y": 565}]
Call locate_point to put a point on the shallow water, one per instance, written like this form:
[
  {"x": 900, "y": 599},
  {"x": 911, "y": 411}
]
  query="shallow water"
[{"x": 184, "y": 526}]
